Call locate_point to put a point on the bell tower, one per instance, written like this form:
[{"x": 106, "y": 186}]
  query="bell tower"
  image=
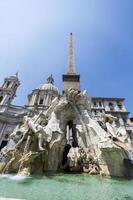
[
  {"x": 71, "y": 79},
  {"x": 8, "y": 89}
]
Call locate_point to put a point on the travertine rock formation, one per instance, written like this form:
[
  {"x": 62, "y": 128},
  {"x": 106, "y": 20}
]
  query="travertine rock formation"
[{"x": 65, "y": 137}]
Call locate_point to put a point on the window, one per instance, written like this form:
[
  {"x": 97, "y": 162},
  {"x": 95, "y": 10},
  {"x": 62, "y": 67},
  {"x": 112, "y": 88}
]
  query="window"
[
  {"x": 8, "y": 83},
  {"x": 95, "y": 104},
  {"x": 41, "y": 101},
  {"x": 111, "y": 106},
  {"x": 120, "y": 106},
  {"x": 97, "y": 112},
  {"x": 100, "y": 104},
  {"x": 1, "y": 98},
  {"x": 3, "y": 144}
]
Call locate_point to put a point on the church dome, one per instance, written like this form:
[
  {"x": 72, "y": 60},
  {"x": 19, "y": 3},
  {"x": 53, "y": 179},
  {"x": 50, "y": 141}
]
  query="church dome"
[
  {"x": 12, "y": 77},
  {"x": 49, "y": 86}
]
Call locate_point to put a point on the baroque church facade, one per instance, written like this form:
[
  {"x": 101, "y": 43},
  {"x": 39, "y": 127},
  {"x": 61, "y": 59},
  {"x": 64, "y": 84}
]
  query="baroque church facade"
[{"x": 40, "y": 99}]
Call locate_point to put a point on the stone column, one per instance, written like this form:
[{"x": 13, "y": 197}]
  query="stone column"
[
  {"x": 11, "y": 85},
  {"x": 71, "y": 136},
  {"x": 3, "y": 100},
  {"x": 1, "y": 133},
  {"x": 68, "y": 135},
  {"x": 47, "y": 100}
]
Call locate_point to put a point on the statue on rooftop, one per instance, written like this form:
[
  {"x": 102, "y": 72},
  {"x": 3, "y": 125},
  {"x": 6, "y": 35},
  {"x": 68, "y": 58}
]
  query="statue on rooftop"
[{"x": 50, "y": 79}]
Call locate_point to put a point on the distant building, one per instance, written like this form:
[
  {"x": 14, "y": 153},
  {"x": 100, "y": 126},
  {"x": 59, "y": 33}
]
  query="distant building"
[
  {"x": 11, "y": 116},
  {"x": 113, "y": 106}
]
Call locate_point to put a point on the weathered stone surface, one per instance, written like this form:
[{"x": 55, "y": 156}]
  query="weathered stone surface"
[{"x": 65, "y": 137}]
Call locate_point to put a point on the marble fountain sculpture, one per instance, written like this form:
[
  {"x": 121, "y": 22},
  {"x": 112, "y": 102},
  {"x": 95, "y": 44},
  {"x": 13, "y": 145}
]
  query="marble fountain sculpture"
[{"x": 66, "y": 138}]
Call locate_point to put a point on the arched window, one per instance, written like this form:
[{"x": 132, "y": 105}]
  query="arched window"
[{"x": 1, "y": 98}]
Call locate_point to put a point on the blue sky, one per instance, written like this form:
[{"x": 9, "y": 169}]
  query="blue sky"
[{"x": 34, "y": 41}]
